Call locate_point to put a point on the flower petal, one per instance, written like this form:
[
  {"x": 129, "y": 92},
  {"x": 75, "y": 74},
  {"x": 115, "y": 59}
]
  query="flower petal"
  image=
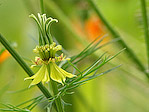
[
  {"x": 32, "y": 77},
  {"x": 54, "y": 74},
  {"x": 46, "y": 77},
  {"x": 66, "y": 74},
  {"x": 58, "y": 74},
  {"x": 39, "y": 75}
]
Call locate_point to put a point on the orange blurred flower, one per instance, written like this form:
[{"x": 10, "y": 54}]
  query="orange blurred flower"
[
  {"x": 94, "y": 28},
  {"x": 91, "y": 29},
  {"x": 4, "y": 55}
]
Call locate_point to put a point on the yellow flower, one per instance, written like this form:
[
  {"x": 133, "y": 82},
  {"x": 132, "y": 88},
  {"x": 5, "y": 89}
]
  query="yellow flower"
[
  {"x": 47, "y": 51},
  {"x": 48, "y": 59},
  {"x": 41, "y": 76},
  {"x": 58, "y": 74}
]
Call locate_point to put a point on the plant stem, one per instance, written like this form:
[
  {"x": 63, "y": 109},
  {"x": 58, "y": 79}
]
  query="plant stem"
[
  {"x": 23, "y": 64},
  {"x": 42, "y": 6},
  {"x": 115, "y": 34},
  {"x": 146, "y": 27},
  {"x": 55, "y": 92},
  {"x": 58, "y": 100}
]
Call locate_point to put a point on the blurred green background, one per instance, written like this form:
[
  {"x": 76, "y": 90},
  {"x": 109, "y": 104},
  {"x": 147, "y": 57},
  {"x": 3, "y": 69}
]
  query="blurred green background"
[{"x": 125, "y": 89}]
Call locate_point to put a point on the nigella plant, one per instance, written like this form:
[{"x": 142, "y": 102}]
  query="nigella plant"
[
  {"x": 47, "y": 50},
  {"x": 60, "y": 81}
]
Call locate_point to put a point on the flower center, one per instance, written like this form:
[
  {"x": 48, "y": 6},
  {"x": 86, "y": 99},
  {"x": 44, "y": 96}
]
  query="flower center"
[{"x": 47, "y": 52}]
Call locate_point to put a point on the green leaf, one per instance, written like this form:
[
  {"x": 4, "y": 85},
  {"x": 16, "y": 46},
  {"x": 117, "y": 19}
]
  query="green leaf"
[{"x": 95, "y": 76}]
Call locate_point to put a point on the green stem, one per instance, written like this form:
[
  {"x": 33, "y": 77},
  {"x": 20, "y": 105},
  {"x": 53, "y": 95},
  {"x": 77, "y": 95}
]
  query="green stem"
[
  {"x": 55, "y": 92},
  {"x": 58, "y": 100},
  {"x": 116, "y": 35},
  {"x": 146, "y": 27},
  {"x": 23, "y": 64},
  {"x": 40, "y": 39},
  {"x": 50, "y": 39},
  {"x": 42, "y": 6}
]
